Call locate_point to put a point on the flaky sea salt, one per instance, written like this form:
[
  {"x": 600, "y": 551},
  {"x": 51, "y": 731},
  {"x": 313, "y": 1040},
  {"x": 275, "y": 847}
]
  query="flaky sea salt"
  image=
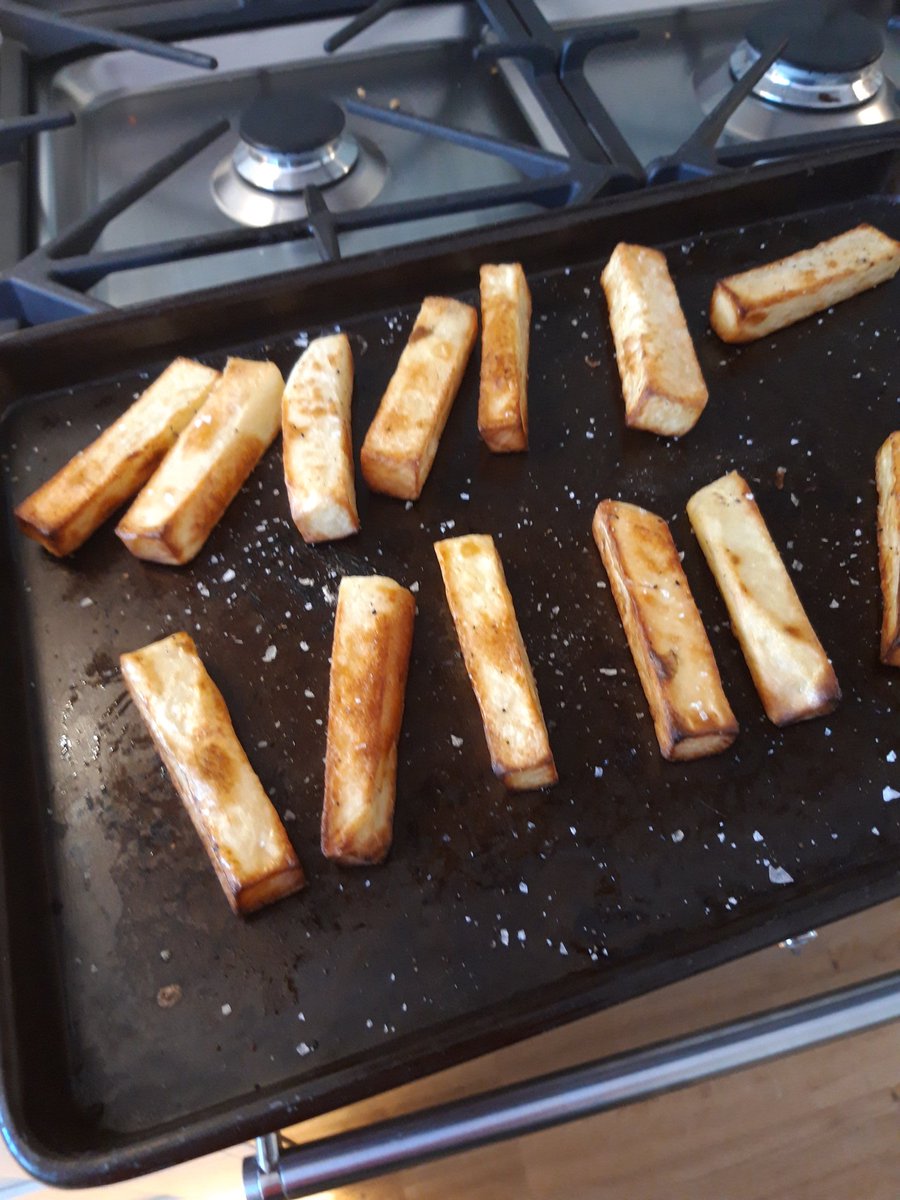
[{"x": 779, "y": 875}]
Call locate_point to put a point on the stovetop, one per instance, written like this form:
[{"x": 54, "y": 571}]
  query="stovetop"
[
  {"x": 459, "y": 114},
  {"x": 421, "y": 64}
]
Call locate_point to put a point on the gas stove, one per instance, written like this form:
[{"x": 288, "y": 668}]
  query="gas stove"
[{"x": 274, "y": 138}]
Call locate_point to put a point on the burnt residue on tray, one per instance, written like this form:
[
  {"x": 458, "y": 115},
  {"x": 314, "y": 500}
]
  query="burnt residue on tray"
[{"x": 177, "y": 1027}]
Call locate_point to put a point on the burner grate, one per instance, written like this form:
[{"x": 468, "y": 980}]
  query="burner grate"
[
  {"x": 54, "y": 280},
  {"x": 15, "y": 133},
  {"x": 46, "y": 34}
]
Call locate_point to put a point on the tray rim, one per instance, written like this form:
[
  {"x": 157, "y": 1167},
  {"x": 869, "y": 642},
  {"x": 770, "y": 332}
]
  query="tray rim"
[
  {"x": 215, "y": 1130},
  {"x": 236, "y": 1120}
]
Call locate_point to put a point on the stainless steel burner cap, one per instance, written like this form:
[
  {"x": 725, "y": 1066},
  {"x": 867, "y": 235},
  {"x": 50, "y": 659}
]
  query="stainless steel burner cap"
[
  {"x": 798, "y": 87},
  {"x": 289, "y": 142},
  {"x": 829, "y": 75},
  {"x": 286, "y": 144},
  {"x": 831, "y": 59}
]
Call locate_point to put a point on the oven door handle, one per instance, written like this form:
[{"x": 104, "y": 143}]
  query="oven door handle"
[{"x": 582, "y": 1091}]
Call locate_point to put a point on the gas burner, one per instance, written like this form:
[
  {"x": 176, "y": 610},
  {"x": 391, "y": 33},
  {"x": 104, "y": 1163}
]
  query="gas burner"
[
  {"x": 287, "y": 144},
  {"x": 828, "y": 76},
  {"x": 825, "y": 65}
]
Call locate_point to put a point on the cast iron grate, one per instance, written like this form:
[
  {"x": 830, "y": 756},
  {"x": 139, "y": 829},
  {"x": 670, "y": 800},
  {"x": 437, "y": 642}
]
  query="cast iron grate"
[{"x": 54, "y": 280}]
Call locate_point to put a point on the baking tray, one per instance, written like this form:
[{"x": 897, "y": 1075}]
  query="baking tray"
[{"x": 496, "y": 915}]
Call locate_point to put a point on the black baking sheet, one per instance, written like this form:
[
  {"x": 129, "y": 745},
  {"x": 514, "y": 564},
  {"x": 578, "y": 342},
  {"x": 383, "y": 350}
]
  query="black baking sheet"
[{"x": 496, "y": 915}]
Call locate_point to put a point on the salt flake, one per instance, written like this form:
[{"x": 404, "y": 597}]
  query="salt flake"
[{"x": 780, "y": 875}]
